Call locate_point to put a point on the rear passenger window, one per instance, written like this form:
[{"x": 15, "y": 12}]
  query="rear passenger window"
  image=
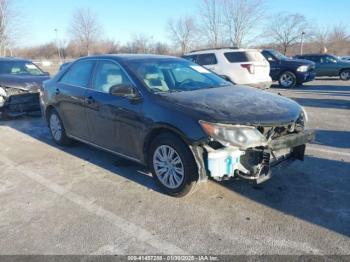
[
  {"x": 207, "y": 59},
  {"x": 241, "y": 57},
  {"x": 79, "y": 74}
]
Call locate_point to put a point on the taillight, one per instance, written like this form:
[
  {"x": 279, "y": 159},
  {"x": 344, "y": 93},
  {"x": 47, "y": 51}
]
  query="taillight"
[{"x": 249, "y": 67}]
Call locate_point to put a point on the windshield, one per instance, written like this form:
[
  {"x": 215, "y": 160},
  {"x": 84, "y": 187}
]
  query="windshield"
[
  {"x": 19, "y": 68},
  {"x": 278, "y": 55},
  {"x": 173, "y": 75},
  {"x": 334, "y": 57}
]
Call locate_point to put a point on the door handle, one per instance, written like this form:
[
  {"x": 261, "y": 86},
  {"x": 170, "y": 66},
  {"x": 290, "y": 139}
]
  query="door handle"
[
  {"x": 90, "y": 100},
  {"x": 57, "y": 91}
]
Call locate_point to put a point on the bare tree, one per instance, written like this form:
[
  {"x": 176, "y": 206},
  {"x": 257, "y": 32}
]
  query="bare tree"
[
  {"x": 107, "y": 46},
  {"x": 161, "y": 48},
  {"x": 8, "y": 26},
  {"x": 182, "y": 32},
  {"x": 241, "y": 17},
  {"x": 286, "y": 29},
  {"x": 139, "y": 44},
  {"x": 338, "y": 39},
  {"x": 210, "y": 17},
  {"x": 320, "y": 39},
  {"x": 85, "y": 29}
]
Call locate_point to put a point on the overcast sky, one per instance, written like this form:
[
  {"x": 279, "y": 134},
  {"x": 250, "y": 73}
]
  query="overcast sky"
[{"x": 123, "y": 18}]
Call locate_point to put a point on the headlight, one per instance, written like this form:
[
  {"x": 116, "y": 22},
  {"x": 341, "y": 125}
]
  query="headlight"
[
  {"x": 306, "y": 117},
  {"x": 235, "y": 135},
  {"x": 300, "y": 124},
  {"x": 303, "y": 68},
  {"x": 3, "y": 92},
  {"x": 3, "y": 96}
]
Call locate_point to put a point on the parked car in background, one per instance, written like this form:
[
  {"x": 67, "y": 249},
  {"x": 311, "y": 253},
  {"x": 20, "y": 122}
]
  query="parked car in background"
[
  {"x": 347, "y": 58},
  {"x": 183, "y": 121},
  {"x": 240, "y": 66},
  {"x": 287, "y": 71},
  {"x": 20, "y": 82},
  {"x": 329, "y": 65}
]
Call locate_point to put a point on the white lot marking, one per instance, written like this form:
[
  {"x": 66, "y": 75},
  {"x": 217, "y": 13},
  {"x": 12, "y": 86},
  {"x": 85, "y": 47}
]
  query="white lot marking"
[
  {"x": 130, "y": 229},
  {"x": 329, "y": 151},
  {"x": 108, "y": 249}
]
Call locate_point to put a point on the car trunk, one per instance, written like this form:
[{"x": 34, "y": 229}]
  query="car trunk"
[{"x": 253, "y": 65}]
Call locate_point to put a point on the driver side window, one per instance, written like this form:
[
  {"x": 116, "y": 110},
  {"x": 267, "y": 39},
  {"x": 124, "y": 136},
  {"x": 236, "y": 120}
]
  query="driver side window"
[
  {"x": 330, "y": 60},
  {"x": 268, "y": 56},
  {"x": 109, "y": 74}
]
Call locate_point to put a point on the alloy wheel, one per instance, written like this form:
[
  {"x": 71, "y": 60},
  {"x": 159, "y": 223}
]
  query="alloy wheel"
[
  {"x": 56, "y": 127},
  {"x": 168, "y": 166},
  {"x": 287, "y": 80},
  {"x": 345, "y": 75}
]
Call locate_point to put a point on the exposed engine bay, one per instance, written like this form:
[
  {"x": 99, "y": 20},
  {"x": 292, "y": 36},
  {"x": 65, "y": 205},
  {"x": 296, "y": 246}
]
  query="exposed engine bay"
[{"x": 253, "y": 158}]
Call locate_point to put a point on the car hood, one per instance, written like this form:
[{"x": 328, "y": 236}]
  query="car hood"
[
  {"x": 23, "y": 82},
  {"x": 235, "y": 105},
  {"x": 344, "y": 62}
]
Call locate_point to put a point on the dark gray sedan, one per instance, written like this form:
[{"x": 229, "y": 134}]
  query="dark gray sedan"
[
  {"x": 20, "y": 82},
  {"x": 183, "y": 121}
]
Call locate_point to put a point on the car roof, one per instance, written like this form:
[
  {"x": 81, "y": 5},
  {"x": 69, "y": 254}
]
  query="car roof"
[
  {"x": 12, "y": 59},
  {"x": 219, "y": 50},
  {"x": 129, "y": 57},
  {"x": 312, "y": 55}
]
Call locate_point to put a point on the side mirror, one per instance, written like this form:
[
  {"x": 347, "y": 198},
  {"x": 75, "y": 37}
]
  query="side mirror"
[
  {"x": 270, "y": 59},
  {"x": 123, "y": 90},
  {"x": 46, "y": 73}
]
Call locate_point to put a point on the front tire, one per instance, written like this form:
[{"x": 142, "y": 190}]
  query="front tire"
[
  {"x": 345, "y": 74},
  {"x": 173, "y": 165},
  {"x": 287, "y": 80},
  {"x": 57, "y": 129}
]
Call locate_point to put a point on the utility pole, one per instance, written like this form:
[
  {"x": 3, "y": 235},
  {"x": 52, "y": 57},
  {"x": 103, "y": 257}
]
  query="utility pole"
[
  {"x": 2, "y": 30},
  {"x": 58, "y": 46},
  {"x": 302, "y": 43}
]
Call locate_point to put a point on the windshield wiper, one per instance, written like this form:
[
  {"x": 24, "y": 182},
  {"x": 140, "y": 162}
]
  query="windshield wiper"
[
  {"x": 217, "y": 86},
  {"x": 175, "y": 91}
]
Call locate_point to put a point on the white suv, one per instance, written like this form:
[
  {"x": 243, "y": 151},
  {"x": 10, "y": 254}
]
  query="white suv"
[{"x": 240, "y": 66}]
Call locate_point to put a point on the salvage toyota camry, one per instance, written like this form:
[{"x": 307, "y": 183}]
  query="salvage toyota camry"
[
  {"x": 182, "y": 121},
  {"x": 20, "y": 81}
]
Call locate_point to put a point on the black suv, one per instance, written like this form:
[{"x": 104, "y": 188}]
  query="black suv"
[
  {"x": 289, "y": 72},
  {"x": 184, "y": 122},
  {"x": 329, "y": 65}
]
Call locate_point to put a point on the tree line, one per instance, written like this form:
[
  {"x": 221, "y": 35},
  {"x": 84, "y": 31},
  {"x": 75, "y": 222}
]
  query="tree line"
[{"x": 216, "y": 23}]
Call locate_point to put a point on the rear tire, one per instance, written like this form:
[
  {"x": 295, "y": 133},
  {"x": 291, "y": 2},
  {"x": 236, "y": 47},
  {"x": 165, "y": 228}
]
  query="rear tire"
[
  {"x": 57, "y": 129},
  {"x": 173, "y": 165},
  {"x": 287, "y": 79},
  {"x": 344, "y": 74}
]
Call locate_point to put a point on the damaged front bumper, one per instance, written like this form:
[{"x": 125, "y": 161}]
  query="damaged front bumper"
[
  {"x": 255, "y": 164},
  {"x": 14, "y": 104}
]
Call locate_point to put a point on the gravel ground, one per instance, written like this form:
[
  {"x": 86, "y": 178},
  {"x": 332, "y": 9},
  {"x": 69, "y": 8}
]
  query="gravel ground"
[{"x": 80, "y": 200}]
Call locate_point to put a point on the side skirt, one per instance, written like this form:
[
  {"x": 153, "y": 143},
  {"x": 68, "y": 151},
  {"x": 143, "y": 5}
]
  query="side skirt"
[{"x": 107, "y": 150}]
